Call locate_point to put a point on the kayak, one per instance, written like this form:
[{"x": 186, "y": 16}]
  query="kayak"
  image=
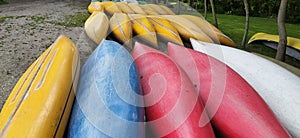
[
  {"x": 293, "y": 44},
  {"x": 158, "y": 9},
  {"x": 165, "y": 30},
  {"x": 95, "y": 6},
  {"x": 187, "y": 29},
  {"x": 233, "y": 105},
  {"x": 143, "y": 29},
  {"x": 277, "y": 86},
  {"x": 149, "y": 10},
  {"x": 40, "y": 103},
  {"x": 172, "y": 106},
  {"x": 121, "y": 28},
  {"x": 136, "y": 8},
  {"x": 108, "y": 102},
  {"x": 111, "y": 7},
  {"x": 124, "y": 8},
  {"x": 168, "y": 10},
  {"x": 215, "y": 34},
  {"x": 96, "y": 26}
]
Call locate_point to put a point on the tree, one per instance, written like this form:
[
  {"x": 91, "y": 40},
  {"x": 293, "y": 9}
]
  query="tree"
[
  {"x": 213, "y": 12},
  {"x": 246, "y": 24},
  {"x": 205, "y": 9},
  {"x": 280, "y": 55},
  {"x": 178, "y": 6}
]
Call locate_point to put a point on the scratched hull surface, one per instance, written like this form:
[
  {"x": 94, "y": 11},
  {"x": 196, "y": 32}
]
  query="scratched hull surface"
[
  {"x": 276, "y": 85},
  {"x": 234, "y": 106},
  {"x": 108, "y": 88},
  {"x": 40, "y": 103}
]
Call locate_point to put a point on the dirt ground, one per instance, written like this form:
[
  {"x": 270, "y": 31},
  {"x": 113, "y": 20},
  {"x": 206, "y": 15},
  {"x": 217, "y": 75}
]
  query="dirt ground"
[{"x": 27, "y": 28}]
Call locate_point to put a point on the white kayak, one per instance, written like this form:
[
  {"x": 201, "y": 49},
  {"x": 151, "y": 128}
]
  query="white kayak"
[{"x": 277, "y": 86}]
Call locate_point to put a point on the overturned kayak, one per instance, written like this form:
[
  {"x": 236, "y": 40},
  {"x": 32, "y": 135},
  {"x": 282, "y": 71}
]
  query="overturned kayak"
[
  {"x": 124, "y": 8},
  {"x": 136, "y": 8},
  {"x": 95, "y": 6},
  {"x": 187, "y": 29},
  {"x": 234, "y": 106},
  {"x": 40, "y": 103},
  {"x": 120, "y": 27},
  {"x": 96, "y": 26},
  {"x": 143, "y": 29},
  {"x": 108, "y": 102},
  {"x": 293, "y": 44},
  {"x": 210, "y": 30},
  {"x": 276, "y": 85},
  {"x": 165, "y": 30},
  {"x": 172, "y": 105}
]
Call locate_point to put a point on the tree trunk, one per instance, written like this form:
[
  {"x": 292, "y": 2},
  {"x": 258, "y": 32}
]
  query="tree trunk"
[
  {"x": 246, "y": 24},
  {"x": 178, "y": 7},
  {"x": 205, "y": 9},
  {"x": 214, "y": 13},
  {"x": 280, "y": 55},
  {"x": 166, "y": 2}
]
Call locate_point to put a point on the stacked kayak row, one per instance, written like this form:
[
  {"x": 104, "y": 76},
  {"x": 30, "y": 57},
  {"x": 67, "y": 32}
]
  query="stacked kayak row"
[
  {"x": 184, "y": 93},
  {"x": 211, "y": 91},
  {"x": 151, "y": 29}
]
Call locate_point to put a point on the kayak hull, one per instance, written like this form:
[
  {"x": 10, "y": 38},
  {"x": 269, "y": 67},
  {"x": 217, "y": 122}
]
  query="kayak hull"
[
  {"x": 172, "y": 106},
  {"x": 234, "y": 106},
  {"x": 40, "y": 103},
  {"x": 107, "y": 80}
]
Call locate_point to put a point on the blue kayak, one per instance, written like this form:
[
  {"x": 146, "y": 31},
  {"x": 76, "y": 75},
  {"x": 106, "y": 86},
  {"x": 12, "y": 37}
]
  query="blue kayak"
[{"x": 109, "y": 101}]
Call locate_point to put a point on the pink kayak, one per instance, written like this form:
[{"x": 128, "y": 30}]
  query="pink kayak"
[
  {"x": 234, "y": 106},
  {"x": 172, "y": 106}
]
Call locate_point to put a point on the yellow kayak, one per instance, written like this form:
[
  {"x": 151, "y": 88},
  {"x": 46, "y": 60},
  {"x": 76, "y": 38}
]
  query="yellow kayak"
[
  {"x": 111, "y": 7},
  {"x": 165, "y": 30},
  {"x": 158, "y": 9},
  {"x": 188, "y": 29},
  {"x": 125, "y": 8},
  {"x": 213, "y": 32},
  {"x": 291, "y": 42},
  {"x": 148, "y": 10},
  {"x": 95, "y": 6},
  {"x": 168, "y": 10},
  {"x": 96, "y": 26},
  {"x": 143, "y": 28},
  {"x": 40, "y": 103},
  {"x": 120, "y": 26},
  {"x": 136, "y": 8}
]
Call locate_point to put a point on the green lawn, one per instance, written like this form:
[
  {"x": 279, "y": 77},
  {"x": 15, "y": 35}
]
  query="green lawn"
[{"x": 233, "y": 26}]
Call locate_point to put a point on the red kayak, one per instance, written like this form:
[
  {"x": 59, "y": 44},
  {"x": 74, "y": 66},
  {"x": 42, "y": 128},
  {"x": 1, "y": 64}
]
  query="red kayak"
[
  {"x": 234, "y": 106},
  {"x": 172, "y": 106}
]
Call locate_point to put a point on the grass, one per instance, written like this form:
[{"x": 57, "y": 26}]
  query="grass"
[
  {"x": 2, "y": 19},
  {"x": 76, "y": 20},
  {"x": 233, "y": 26}
]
